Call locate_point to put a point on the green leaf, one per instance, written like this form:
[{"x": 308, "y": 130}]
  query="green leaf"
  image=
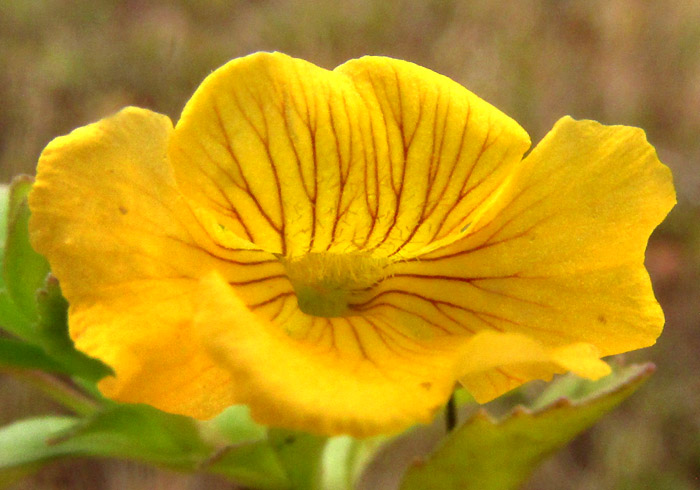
[
  {"x": 486, "y": 454},
  {"x": 12, "y": 319},
  {"x": 4, "y": 208},
  {"x": 51, "y": 330},
  {"x": 24, "y": 270},
  {"x": 10, "y": 316},
  {"x": 24, "y": 447},
  {"x": 252, "y": 464},
  {"x": 243, "y": 452},
  {"x": 138, "y": 432},
  {"x": 19, "y": 354},
  {"x": 240, "y": 451},
  {"x": 25, "y": 442},
  {"x": 121, "y": 431},
  {"x": 51, "y": 348},
  {"x": 576, "y": 388},
  {"x": 301, "y": 455},
  {"x": 235, "y": 425},
  {"x": 31, "y": 304}
]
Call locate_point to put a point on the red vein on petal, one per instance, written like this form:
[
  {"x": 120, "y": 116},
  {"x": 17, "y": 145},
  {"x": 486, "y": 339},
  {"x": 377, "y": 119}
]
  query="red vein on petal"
[
  {"x": 223, "y": 208},
  {"x": 264, "y": 140},
  {"x": 436, "y": 153},
  {"x": 486, "y": 243},
  {"x": 463, "y": 194},
  {"x": 473, "y": 282},
  {"x": 259, "y": 304},
  {"x": 424, "y": 202},
  {"x": 373, "y": 305},
  {"x": 419, "y": 349},
  {"x": 413, "y": 357},
  {"x": 341, "y": 184},
  {"x": 358, "y": 340},
  {"x": 232, "y": 154},
  {"x": 372, "y": 210},
  {"x": 258, "y": 280}
]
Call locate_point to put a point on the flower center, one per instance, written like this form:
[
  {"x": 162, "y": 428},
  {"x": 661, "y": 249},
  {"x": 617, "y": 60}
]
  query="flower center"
[{"x": 326, "y": 282}]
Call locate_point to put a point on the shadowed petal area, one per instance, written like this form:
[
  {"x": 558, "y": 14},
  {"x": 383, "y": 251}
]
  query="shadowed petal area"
[
  {"x": 379, "y": 155},
  {"x": 299, "y": 385},
  {"x": 562, "y": 261},
  {"x": 107, "y": 214}
]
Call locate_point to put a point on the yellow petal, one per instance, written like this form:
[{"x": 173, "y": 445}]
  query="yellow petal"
[
  {"x": 107, "y": 214},
  {"x": 439, "y": 153},
  {"x": 493, "y": 363},
  {"x": 304, "y": 385},
  {"x": 378, "y": 154},
  {"x": 144, "y": 331},
  {"x": 582, "y": 359},
  {"x": 562, "y": 260},
  {"x": 106, "y": 210}
]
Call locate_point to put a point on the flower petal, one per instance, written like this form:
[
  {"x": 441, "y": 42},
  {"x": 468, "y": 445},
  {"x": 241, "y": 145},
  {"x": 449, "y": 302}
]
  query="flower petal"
[
  {"x": 296, "y": 384},
  {"x": 255, "y": 141},
  {"x": 490, "y": 358},
  {"x": 439, "y": 152},
  {"x": 125, "y": 247},
  {"x": 378, "y": 155},
  {"x": 144, "y": 330},
  {"x": 105, "y": 208},
  {"x": 562, "y": 260}
]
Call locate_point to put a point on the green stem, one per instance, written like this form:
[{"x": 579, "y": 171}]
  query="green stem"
[{"x": 60, "y": 390}]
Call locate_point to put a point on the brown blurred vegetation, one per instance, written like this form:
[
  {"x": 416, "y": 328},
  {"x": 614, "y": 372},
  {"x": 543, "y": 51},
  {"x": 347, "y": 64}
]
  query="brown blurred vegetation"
[{"x": 634, "y": 62}]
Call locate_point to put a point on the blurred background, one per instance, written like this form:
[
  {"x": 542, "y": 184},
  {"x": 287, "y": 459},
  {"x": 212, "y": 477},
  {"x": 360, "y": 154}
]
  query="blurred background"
[{"x": 633, "y": 62}]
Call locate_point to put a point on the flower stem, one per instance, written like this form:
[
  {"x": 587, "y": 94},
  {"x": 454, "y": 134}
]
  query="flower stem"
[{"x": 60, "y": 390}]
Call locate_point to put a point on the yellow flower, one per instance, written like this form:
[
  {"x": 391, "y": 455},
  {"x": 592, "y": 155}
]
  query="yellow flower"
[{"x": 337, "y": 248}]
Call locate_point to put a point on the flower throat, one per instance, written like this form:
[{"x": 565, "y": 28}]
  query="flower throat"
[{"x": 325, "y": 283}]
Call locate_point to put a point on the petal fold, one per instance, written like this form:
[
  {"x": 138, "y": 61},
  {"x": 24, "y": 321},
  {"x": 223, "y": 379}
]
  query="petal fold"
[{"x": 291, "y": 383}]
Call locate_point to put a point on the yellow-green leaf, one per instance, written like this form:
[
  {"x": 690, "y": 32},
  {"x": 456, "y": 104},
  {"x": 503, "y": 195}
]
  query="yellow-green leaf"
[
  {"x": 17, "y": 354},
  {"x": 488, "y": 454},
  {"x": 238, "y": 451},
  {"x": 4, "y": 193},
  {"x": 24, "y": 270},
  {"x": 10, "y": 317},
  {"x": 301, "y": 456},
  {"x": 24, "y": 448}
]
